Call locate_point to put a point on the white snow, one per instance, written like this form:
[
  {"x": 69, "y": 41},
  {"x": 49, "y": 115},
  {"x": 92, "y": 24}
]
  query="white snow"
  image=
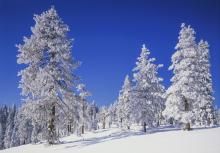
[{"x": 114, "y": 140}]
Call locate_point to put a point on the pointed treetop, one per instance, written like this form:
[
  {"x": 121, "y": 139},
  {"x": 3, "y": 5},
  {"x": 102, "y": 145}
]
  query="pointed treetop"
[
  {"x": 126, "y": 77},
  {"x": 183, "y": 25},
  {"x": 52, "y": 7},
  {"x": 127, "y": 80},
  {"x": 144, "y": 47},
  {"x": 186, "y": 37},
  {"x": 144, "y": 51}
]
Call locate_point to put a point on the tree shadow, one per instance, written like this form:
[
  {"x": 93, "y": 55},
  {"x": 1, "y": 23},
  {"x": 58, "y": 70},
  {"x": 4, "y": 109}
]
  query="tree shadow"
[
  {"x": 96, "y": 140},
  {"x": 122, "y": 134},
  {"x": 202, "y": 128}
]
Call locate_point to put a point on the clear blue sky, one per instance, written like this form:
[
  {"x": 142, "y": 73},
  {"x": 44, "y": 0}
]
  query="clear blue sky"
[{"x": 108, "y": 36}]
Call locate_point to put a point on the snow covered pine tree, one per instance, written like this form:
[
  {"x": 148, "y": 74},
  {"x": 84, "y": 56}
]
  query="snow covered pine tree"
[
  {"x": 189, "y": 98},
  {"x": 205, "y": 100},
  {"x": 3, "y": 122},
  {"x": 9, "y": 126},
  {"x": 148, "y": 93},
  {"x": 125, "y": 104},
  {"x": 84, "y": 113},
  {"x": 48, "y": 75}
]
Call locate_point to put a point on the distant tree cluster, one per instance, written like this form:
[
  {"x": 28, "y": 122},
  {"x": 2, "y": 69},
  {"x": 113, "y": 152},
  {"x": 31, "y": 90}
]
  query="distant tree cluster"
[
  {"x": 56, "y": 103},
  {"x": 187, "y": 102},
  {"x": 7, "y": 124}
]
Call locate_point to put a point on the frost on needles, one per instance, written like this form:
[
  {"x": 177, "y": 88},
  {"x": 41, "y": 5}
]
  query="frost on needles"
[
  {"x": 189, "y": 98},
  {"x": 48, "y": 83}
]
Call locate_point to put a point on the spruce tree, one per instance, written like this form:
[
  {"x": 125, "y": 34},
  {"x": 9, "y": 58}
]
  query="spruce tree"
[
  {"x": 125, "y": 103},
  {"x": 3, "y": 122},
  {"x": 9, "y": 126},
  {"x": 48, "y": 74},
  {"x": 182, "y": 95},
  {"x": 84, "y": 112},
  {"x": 205, "y": 100},
  {"x": 148, "y": 92}
]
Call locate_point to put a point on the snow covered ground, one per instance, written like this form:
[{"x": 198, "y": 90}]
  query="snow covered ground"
[{"x": 114, "y": 140}]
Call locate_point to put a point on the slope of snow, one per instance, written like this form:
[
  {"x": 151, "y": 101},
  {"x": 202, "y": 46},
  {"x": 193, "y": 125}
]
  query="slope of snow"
[{"x": 114, "y": 140}]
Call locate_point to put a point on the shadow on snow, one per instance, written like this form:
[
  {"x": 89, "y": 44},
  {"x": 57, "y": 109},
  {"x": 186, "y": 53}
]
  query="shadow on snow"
[{"x": 122, "y": 134}]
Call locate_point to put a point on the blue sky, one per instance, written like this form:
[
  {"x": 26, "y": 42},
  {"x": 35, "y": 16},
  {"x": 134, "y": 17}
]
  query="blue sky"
[{"x": 108, "y": 36}]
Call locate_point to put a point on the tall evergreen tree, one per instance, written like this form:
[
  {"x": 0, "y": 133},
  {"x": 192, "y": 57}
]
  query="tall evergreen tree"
[
  {"x": 148, "y": 90},
  {"x": 92, "y": 112},
  {"x": 3, "y": 123},
  {"x": 125, "y": 103},
  {"x": 205, "y": 107},
  {"x": 1, "y": 136},
  {"x": 15, "y": 140},
  {"x": 9, "y": 126},
  {"x": 191, "y": 83},
  {"x": 102, "y": 116},
  {"x": 112, "y": 111},
  {"x": 84, "y": 115},
  {"x": 49, "y": 72}
]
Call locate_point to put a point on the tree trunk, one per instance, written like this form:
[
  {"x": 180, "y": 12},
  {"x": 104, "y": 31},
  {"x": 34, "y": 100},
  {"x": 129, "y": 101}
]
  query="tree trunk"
[
  {"x": 187, "y": 127},
  {"x": 51, "y": 126},
  {"x": 171, "y": 121},
  {"x": 103, "y": 125},
  {"x": 83, "y": 129},
  {"x": 69, "y": 128},
  {"x": 121, "y": 120},
  {"x": 144, "y": 127}
]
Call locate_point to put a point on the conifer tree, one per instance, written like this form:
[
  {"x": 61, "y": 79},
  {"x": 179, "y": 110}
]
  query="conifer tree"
[
  {"x": 148, "y": 91},
  {"x": 9, "y": 126},
  {"x": 84, "y": 112},
  {"x": 205, "y": 100},
  {"x": 184, "y": 94},
  {"x": 3, "y": 123},
  {"x": 125, "y": 103},
  {"x": 48, "y": 75}
]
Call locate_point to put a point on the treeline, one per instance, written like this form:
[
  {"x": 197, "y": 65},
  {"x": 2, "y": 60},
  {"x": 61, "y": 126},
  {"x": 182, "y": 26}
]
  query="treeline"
[
  {"x": 187, "y": 102},
  {"x": 7, "y": 122},
  {"x": 24, "y": 125}
]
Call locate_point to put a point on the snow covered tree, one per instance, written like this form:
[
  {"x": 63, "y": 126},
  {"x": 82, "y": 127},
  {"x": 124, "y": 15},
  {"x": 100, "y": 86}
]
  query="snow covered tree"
[
  {"x": 92, "y": 112},
  {"x": 191, "y": 83},
  {"x": 9, "y": 126},
  {"x": 68, "y": 116},
  {"x": 49, "y": 72},
  {"x": 148, "y": 92},
  {"x": 119, "y": 112},
  {"x": 218, "y": 116},
  {"x": 112, "y": 114},
  {"x": 84, "y": 116},
  {"x": 15, "y": 140},
  {"x": 205, "y": 100},
  {"x": 1, "y": 137},
  {"x": 102, "y": 116},
  {"x": 125, "y": 103},
  {"x": 24, "y": 130},
  {"x": 3, "y": 122}
]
